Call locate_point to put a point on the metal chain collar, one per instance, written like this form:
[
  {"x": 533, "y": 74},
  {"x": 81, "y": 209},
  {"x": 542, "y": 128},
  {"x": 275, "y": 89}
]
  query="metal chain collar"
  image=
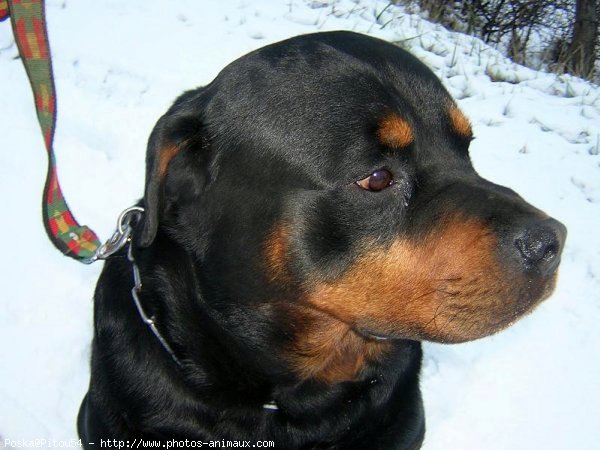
[{"x": 120, "y": 238}]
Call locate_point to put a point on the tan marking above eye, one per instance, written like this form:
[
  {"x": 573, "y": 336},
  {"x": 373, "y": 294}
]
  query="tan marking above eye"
[
  {"x": 459, "y": 123},
  {"x": 395, "y": 132}
]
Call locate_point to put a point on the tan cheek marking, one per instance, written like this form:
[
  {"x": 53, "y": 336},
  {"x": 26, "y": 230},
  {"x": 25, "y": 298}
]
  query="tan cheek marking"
[
  {"x": 327, "y": 349},
  {"x": 446, "y": 287},
  {"x": 460, "y": 124},
  {"x": 275, "y": 254},
  {"x": 395, "y": 132},
  {"x": 322, "y": 347},
  {"x": 166, "y": 155}
]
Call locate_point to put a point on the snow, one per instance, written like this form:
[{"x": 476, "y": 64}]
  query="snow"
[{"x": 118, "y": 65}]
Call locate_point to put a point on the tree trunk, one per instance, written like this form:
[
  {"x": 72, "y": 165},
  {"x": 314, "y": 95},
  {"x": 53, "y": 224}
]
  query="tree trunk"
[{"x": 581, "y": 54}]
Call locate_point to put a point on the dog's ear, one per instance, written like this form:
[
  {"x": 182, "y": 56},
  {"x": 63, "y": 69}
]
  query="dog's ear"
[{"x": 178, "y": 131}]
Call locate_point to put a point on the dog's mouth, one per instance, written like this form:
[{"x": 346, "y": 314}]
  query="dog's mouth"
[
  {"x": 453, "y": 285},
  {"x": 372, "y": 336},
  {"x": 339, "y": 327},
  {"x": 452, "y": 315}
]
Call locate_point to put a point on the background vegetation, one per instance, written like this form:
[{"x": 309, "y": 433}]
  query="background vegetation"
[{"x": 559, "y": 35}]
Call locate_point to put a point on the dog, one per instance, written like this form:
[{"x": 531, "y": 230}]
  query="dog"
[{"x": 310, "y": 217}]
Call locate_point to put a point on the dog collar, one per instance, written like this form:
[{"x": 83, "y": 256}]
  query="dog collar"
[
  {"x": 120, "y": 238},
  {"x": 271, "y": 406}
]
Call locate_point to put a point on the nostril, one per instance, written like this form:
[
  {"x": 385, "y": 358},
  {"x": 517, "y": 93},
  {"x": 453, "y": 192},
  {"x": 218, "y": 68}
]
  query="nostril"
[
  {"x": 534, "y": 249},
  {"x": 539, "y": 246}
]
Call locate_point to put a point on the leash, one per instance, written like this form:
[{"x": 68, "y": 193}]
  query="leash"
[
  {"x": 73, "y": 240},
  {"x": 76, "y": 241},
  {"x": 29, "y": 27}
]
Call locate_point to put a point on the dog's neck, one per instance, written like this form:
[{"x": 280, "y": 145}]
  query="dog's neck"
[
  {"x": 323, "y": 348},
  {"x": 220, "y": 372}
]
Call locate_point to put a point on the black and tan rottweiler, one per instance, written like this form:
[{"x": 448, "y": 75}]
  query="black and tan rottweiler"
[{"x": 310, "y": 216}]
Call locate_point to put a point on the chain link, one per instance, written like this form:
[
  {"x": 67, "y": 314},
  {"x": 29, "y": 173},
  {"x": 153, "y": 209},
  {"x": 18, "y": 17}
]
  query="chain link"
[{"x": 120, "y": 238}]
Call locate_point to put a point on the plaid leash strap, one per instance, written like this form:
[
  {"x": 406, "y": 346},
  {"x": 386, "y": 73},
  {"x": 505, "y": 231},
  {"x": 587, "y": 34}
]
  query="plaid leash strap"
[{"x": 29, "y": 27}]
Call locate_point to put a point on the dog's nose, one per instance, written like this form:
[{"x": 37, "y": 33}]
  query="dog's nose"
[{"x": 539, "y": 244}]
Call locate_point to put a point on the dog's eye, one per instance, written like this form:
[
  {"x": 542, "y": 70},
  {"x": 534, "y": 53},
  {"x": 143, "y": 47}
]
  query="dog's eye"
[{"x": 377, "y": 181}]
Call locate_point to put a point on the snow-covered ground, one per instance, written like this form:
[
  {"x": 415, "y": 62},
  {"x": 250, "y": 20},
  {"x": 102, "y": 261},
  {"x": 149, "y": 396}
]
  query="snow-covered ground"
[{"x": 119, "y": 65}]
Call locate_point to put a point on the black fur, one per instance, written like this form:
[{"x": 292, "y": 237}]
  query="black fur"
[{"x": 280, "y": 136}]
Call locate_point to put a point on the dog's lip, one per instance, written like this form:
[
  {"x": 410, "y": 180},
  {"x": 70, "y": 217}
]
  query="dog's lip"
[
  {"x": 378, "y": 338},
  {"x": 373, "y": 336}
]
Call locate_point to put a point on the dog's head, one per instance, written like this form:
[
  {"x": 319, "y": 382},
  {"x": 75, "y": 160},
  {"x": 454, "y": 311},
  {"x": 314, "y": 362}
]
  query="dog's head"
[{"x": 324, "y": 189}]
